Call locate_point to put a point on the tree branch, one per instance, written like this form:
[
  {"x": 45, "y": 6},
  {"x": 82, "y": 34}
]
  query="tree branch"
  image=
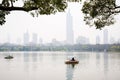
[
  {"x": 117, "y": 7},
  {"x": 4, "y": 8}
]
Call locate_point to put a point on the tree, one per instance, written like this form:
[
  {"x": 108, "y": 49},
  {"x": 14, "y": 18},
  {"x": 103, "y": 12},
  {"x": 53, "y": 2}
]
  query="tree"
[
  {"x": 35, "y": 7},
  {"x": 97, "y": 12},
  {"x": 100, "y": 12}
]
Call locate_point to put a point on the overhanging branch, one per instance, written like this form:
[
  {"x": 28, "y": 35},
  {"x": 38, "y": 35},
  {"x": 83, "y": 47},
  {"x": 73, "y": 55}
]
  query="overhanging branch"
[
  {"x": 117, "y": 7},
  {"x": 17, "y": 8}
]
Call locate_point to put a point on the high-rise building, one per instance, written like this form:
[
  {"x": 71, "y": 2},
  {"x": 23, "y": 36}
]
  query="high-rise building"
[
  {"x": 105, "y": 36},
  {"x": 40, "y": 41},
  {"x": 97, "y": 39},
  {"x": 26, "y": 38},
  {"x": 34, "y": 38},
  {"x": 69, "y": 29}
]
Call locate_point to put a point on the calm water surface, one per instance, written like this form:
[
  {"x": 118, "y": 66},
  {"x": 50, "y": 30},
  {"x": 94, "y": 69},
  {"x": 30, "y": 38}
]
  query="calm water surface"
[{"x": 51, "y": 66}]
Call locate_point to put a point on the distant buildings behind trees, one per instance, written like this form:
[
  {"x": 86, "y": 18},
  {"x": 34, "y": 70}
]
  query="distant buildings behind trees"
[
  {"x": 52, "y": 47},
  {"x": 82, "y": 40}
]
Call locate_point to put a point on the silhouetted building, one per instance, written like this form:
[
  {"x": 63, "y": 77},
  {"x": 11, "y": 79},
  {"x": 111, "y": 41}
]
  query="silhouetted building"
[
  {"x": 69, "y": 29},
  {"x": 97, "y": 39},
  {"x": 105, "y": 36},
  {"x": 26, "y": 38}
]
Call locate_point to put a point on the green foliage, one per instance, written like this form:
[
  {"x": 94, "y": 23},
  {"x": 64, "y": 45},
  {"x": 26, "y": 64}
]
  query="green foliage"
[
  {"x": 76, "y": 47},
  {"x": 7, "y": 3},
  {"x": 35, "y": 7},
  {"x": 2, "y": 16},
  {"x": 46, "y": 6},
  {"x": 99, "y": 12}
]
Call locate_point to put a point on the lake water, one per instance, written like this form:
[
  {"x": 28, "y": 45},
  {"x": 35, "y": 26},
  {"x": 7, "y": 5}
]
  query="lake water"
[{"x": 51, "y": 66}]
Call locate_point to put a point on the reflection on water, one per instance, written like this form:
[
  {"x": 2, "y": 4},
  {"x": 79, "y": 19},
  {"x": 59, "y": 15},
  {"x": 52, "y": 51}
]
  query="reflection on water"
[
  {"x": 70, "y": 71},
  {"x": 26, "y": 56},
  {"x": 105, "y": 62},
  {"x": 102, "y": 58},
  {"x": 34, "y": 57},
  {"x": 51, "y": 66},
  {"x": 31, "y": 60}
]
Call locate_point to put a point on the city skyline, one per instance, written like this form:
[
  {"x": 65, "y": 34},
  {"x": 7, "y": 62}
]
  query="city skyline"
[
  {"x": 34, "y": 39},
  {"x": 49, "y": 27}
]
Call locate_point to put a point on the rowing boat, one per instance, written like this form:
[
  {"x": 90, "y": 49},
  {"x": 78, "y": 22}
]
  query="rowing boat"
[{"x": 71, "y": 62}]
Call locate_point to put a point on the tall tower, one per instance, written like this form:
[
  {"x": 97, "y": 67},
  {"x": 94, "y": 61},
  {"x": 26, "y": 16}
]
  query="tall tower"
[
  {"x": 69, "y": 29},
  {"x": 26, "y": 38},
  {"x": 105, "y": 36}
]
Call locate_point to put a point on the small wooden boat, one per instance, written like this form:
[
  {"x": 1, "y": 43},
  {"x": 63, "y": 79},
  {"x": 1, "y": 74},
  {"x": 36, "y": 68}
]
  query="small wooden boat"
[
  {"x": 9, "y": 57},
  {"x": 71, "y": 62}
]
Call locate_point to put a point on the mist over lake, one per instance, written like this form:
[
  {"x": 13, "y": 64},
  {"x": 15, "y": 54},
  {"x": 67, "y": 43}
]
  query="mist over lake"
[{"x": 51, "y": 66}]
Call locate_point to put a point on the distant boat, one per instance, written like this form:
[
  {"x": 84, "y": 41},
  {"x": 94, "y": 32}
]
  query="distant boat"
[
  {"x": 9, "y": 57},
  {"x": 71, "y": 62}
]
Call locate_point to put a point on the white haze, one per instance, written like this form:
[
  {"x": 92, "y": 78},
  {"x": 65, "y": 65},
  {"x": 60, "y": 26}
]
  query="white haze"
[{"x": 50, "y": 27}]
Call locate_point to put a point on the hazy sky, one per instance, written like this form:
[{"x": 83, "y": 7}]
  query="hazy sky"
[{"x": 52, "y": 26}]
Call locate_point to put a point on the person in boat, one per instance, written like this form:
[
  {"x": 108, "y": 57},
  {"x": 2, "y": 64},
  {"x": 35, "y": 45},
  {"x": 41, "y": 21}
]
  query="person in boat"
[{"x": 73, "y": 59}]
